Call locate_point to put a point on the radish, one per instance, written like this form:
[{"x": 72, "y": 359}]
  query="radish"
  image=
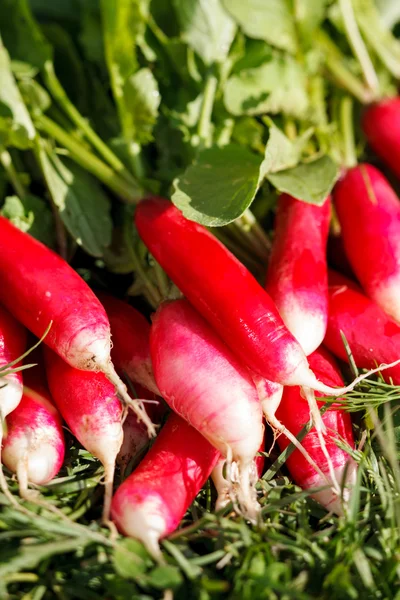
[
  {"x": 381, "y": 125},
  {"x": 152, "y": 501},
  {"x": 92, "y": 410},
  {"x": 12, "y": 346},
  {"x": 297, "y": 279},
  {"x": 293, "y": 414},
  {"x": 369, "y": 214},
  {"x": 34, "y": 447},
  {"x": 41, "y": 288},
  {"x": 373, "y": 336},
  {"x": 226, "y": 294},
  {"x": 204, "y": 383},
  {"x": 130, "y": 337},
  {"x": 223, "y": 486}
]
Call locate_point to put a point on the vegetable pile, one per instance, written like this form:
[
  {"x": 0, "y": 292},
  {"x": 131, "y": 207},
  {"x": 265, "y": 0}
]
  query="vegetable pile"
[{"x": 199, "y": 249}]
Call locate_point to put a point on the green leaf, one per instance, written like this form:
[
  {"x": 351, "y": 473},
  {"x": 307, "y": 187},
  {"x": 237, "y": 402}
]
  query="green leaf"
[
  {"x": 206, "y": 27},
  {"x": 165, "y": 576},
  {"x": 309, "y": 17},
  {"x": 83, "y": 206},
  {"x": 278, "y": 85},
  {"x": 31, "y": 214},
  {"x": 21, "y": 34},
  {"x": 249, "y": 132},
  {"x": 35, "y": 96},
  {"x": 143, "y": 99},
  {"x": 13, "y": 112},
  {"x": 269, "y": 20},
  {"x": 310, "y": 182},
  {"x": 219, "y": 186},
  {"x": 280, "y": 152},
  {"x": 130, "y": 559},
  {"x": 389, "y": 11}
]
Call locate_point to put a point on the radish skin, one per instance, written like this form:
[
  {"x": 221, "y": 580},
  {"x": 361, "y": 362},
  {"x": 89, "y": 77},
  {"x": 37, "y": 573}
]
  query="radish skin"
[
  {"x": 204, "y": 383},
  {"x": 293, "y": 414},
  {"x": 93, "y": 412},
  {"x": 381, "y": 125},
  {"x": 373, "y": 336},
  {"x": 41, "y": 288},
  {"x": 226, "y": 295},
  {"x": 130, "y": 341},
  {"x": 369, "y": 213},
  {"x": 297, "y": 278},
  {"x": 152, "y": 501},
  {"x": 34, "y": 447}
]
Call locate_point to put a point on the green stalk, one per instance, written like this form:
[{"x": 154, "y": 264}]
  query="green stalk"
[
  {"x": 12, "y": 174},
  {"x": 59, "y": 94},
  {"x": 204, "y": 127},
  {"x": 347, "y": 126},
  {"x": 128, "y": 191},
  {"x": 358, "y": 46},
  {"x": 334, "y": 61}
]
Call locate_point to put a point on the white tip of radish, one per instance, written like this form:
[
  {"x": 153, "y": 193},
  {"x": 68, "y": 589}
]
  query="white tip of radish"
[
  {"x": 308, "y": 328},
  {"x": 327, "y": 497},
  {"x": 88, "y": 354},
  {"x": 41, "y": 467},
  {"x": 144, "y": 521},
  {"x": 387, "y": 296},
  {"x": 10, "y": 395},
  {"x": 221, "y": 484}
]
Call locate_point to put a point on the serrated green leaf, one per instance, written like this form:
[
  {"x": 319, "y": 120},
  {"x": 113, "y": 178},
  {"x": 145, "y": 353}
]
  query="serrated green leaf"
[
  {"x": 143, "y": 99},
  {"x": 14, "y": 113},
  {"x": 31, "y": 214},
  {"x": 83, "y": 206},
  {"x": 219, "y": 186},
  {"x": 206, "y": 27},
  {"x": 165, "y": 576},
  {"x": 130, "y": 559},
  {"x": 310, "y": 182},
  {"x": 269, "y": 20},
  {"x": 279, "y": 85}
]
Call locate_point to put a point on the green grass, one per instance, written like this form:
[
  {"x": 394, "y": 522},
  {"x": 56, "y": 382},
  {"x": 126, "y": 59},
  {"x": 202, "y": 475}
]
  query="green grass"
[{"x": 298, "y": 551}]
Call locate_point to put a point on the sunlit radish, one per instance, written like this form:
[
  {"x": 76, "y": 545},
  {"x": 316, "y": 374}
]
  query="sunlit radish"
[
  {"x": 381, "y": 125},
  {"x": 152, "y": 501}
]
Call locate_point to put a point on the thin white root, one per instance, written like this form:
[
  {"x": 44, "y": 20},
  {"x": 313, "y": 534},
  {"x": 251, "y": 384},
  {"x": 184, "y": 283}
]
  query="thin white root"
[
  {"x": 221, "y": 485},
  {"x": 109, "y": 470},
  {"x": 136, "y": 405},
  {"x": 241, "y": 488},
  {"x": 321, "y": 431},
  {"x": 318, "y": 386}
]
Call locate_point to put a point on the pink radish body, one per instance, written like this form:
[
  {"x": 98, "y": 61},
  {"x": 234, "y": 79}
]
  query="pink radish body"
[
  {"x": 381, "y": 125},
  {"x": 293, "y": 414},
  {"x": 152, "y": 501},
  {"x": 34, "y": 447},
  {"x": 297, "y": 279},
  {"x": 42, "y": 288},
  {"x": 12, "y": 345},
  {"x": 373, "y": 336},
  {"x": 130, "y": 338},
  {"x": 225, "y": 293},
  {"x": 203, "y": 381},
  {"x": 369, "y": 214},
  {"x": 91, "y": 409}
]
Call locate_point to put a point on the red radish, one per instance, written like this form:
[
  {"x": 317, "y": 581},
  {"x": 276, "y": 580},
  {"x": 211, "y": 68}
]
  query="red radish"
[
  {"x": 293, "y": 414},
  {"x": 135, "y": 439},
  {"x": 92, "y": 410},
  {"x": 297, "y": 278},
  {"x": 12, "y": 346},
  {"x": 226, "y": 294},
  {"x": 369, "y": 215},
  {"x": 42, "y": 288},
  {"x": 373, "y": 336},
  {"x": 152, "y": 501},
  {"x": 204, "y": 383},
  {"x": 130, "y": 337},
  {"x": 223, "y": 486},
  {"x": 34, "y": 447},
  {"x": 381, "y": 125}
]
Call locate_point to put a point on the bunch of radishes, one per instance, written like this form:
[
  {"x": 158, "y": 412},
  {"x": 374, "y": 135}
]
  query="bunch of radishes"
[{"x": 221, "y": 358}]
